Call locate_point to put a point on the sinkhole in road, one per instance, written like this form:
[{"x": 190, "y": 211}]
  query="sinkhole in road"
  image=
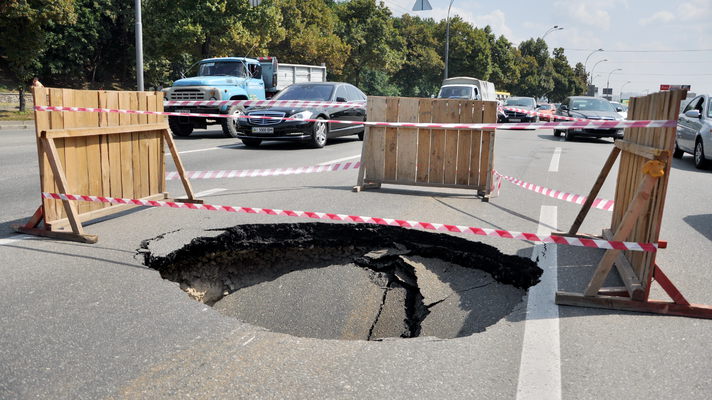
[{"x": 349, "y": 281}]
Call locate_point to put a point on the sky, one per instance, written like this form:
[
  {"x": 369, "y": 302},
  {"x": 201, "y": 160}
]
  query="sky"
[{"x": 642, "y": 38}]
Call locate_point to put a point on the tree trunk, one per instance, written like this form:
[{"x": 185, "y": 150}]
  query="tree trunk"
[{"x": 22, "y": 98}]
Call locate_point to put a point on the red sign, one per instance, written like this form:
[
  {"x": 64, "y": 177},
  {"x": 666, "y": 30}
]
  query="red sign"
[{"x": 671, "y": 87}]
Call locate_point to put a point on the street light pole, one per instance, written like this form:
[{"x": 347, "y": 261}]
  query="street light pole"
[
  {"x": 447, "y": 40},
  {"x": 621, "y": 94},
  {"x": 552, "y": 29},
  {"x": 589, "y": 56},
  {"x": 139, "y": 48},
  {"x": 608, "y": 82},
  {"x": 594, "y": 68}
]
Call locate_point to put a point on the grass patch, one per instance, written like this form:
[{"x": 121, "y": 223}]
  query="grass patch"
[{"x": 6, "y": 115}]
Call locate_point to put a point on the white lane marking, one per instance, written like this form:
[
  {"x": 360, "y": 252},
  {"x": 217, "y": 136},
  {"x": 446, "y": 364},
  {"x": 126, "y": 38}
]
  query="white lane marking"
[
  {"x": 209, "y": 192},
  {"x": 340, "y": 159},
  {"x": 228, "y": 146},
  {"x": 540, "y": 367},
  {"x": 13, "y": 239},
  {"x": 248, "y": 341},
  {"x": 554, "y": 164}
]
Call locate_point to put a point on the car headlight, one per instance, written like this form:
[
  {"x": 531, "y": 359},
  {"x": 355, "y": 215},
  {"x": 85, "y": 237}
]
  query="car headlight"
[{"x": 303, "y": 115}]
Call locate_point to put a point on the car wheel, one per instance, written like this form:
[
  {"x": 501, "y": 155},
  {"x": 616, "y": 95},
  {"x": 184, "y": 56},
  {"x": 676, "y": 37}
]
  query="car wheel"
[
  {"x": 251, "y": 142},
  {"x": 360, "y": 135},
  {"x": 677, "y": 153},
  {"x": 178, "y": 129},
  {"x": 319, "y": 133},
  {"x": 229, "y": 125},
  {"x": 557, "y": 133},
  {"x": 568, "y": 136},
  {"x": 700, "y": 160}
]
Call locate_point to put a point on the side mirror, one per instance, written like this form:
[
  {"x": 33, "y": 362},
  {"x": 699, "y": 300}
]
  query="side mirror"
[
  {"x": 341, "y": 100},
  {"x": 564, "y": 107},
  {"x": 619, "y": 108},
  {"x": 694, "y": 114}
]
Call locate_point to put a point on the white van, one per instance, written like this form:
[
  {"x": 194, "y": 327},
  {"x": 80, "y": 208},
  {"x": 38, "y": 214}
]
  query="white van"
[{"x": 463, "y": 87}]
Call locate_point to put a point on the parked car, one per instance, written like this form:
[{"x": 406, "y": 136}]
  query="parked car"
[
  {"x": 589, "y": 108},
  {"x": 621, "y": 109},
  {"x": 694, "y": 131},
  {"x": 548, "y": 109},
  {"x": 527, "y": 103},
  {"x": 252, "y": 131}
]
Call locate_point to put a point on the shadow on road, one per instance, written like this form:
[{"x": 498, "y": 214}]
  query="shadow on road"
[{"x": 702, "y": 224}]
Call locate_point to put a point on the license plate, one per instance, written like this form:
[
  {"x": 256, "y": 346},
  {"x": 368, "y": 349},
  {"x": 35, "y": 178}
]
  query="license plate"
[
  {"x": 183, "y": 111},
  {"x": 262, "y": 130},
  {"x": 515, "y": 120}
]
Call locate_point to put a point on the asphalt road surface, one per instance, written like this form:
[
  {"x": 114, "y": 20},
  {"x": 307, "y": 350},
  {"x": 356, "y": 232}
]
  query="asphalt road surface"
[{"x": 90, "y": 321}]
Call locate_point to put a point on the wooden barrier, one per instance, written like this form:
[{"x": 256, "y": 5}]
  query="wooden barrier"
[
  {"x": 99, "y": 154},
  {"x": 428, "y": 157},
  {"x": 643, "y": 175}
]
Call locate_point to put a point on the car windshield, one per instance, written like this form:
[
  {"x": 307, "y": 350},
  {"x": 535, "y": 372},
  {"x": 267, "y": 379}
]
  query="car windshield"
[
  {"x": 520, "y": 102},
  {"x": 544, "y": 107},
  {"x": 222, "y": 68},
  {"x": 591, "y": 105},
  {"x": 306, "y": 92},
  {"x": 455, "y": 92}
]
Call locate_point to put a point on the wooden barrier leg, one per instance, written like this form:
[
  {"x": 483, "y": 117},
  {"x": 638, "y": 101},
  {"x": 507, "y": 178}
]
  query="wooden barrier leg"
[
  {"x": 627, "y": 223},
  {"x": 181, "y": 171},
  {"x": 594, "y": 191},
  {"x": 70, "y": 208}
]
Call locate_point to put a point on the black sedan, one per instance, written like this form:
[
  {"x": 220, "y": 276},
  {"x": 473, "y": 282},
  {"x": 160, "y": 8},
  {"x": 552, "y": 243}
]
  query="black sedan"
[
  {"x": 252, "y": 131},
  {"x": 526, "y": 103},
  {"x": 588, "y": 108}
]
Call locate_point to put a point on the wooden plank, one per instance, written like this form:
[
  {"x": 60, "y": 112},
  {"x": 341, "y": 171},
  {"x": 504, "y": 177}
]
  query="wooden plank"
[
  {"x": 161, "y": 145},
  {"x": 436, "y": 170},
  {"x": 476, "y": 149},
  {"x": 594, "y": 191},
  {"x": 407, "y": 138},
  {"x": 650, "y": 306},
  {"x": 143, "y": 106},
  {"x": 133, "y": 105},
  {"x": 649, "y": 152},
  {"x": 374, "y": 158},
  {"x": 113, "y": 130},
  {"x": 53, "y": 208},
  {"x": 464, "y": 143},
  {"x": 633, "y": 284},
  {"x": 143, "y": 139},
  {"x": 70, "y": 208},
  {"x": 489, "y": 115},
  {"x": 124, "y": 104},
  {"x": 423, "y": 163},
  {"x": 635, "y": 209},
  {"x": 391, "y": 155},
  {"x": 153, "y": 141},
  {"x": 104, "y": 212},
  {"x": 93, "y": 152},
  {"x": 113, "y": 148},
  {"x": 179, "y": 165},
  {"x": 151, "y": 106},
  {"x": 124, "y": 160},
  {"x": 451, "y": 137},
  {"x": 104, "y": 146}
]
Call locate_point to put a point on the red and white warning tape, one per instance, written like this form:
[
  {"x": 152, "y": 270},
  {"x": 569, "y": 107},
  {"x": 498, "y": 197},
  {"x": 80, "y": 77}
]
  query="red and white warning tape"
[
  {"x": 257, "y": 103},
  {"x": 251, "y": 173},
  {"x": 586, "y": 124},
  {"x": 545, "y": 115},
  {"x": 599, "y": 203},
  {"x": 570, "y": 241}
]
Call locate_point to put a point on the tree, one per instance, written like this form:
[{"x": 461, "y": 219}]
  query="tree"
[
  {"x": 310, "y": 36},
  {"x": 23, "y": 27},
  {"x": 375, "y": 44},
  {"x": 190, "y": 30},
  {"x": 505, "y": 72},
  {"x": 470, "y": 53},
  {"x": 421, "y": 72}
]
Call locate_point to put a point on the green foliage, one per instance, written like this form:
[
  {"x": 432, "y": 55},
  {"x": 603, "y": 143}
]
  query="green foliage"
[{"x": 77, "y": 43}]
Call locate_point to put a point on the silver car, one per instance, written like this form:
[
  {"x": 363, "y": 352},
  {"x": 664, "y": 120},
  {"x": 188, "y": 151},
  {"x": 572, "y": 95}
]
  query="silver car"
[{"x": 694, "y": 131}]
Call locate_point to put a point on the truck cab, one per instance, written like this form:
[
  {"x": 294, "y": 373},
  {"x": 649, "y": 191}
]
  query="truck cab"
[{"x": 467, "y": 88}]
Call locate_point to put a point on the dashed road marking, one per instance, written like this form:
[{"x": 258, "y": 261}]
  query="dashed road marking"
[
  {"x": 540, "y": 366},
  {"x": 554, "y": 164}
]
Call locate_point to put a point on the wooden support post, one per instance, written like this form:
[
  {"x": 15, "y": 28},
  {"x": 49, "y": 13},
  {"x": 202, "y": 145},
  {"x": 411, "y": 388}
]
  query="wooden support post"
[
  {"x": 594, "y": 191},
  {"x": 69, "y": 207},
  {"x": 181, "y": 171},
  {"x": 635, "y": 209}
]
